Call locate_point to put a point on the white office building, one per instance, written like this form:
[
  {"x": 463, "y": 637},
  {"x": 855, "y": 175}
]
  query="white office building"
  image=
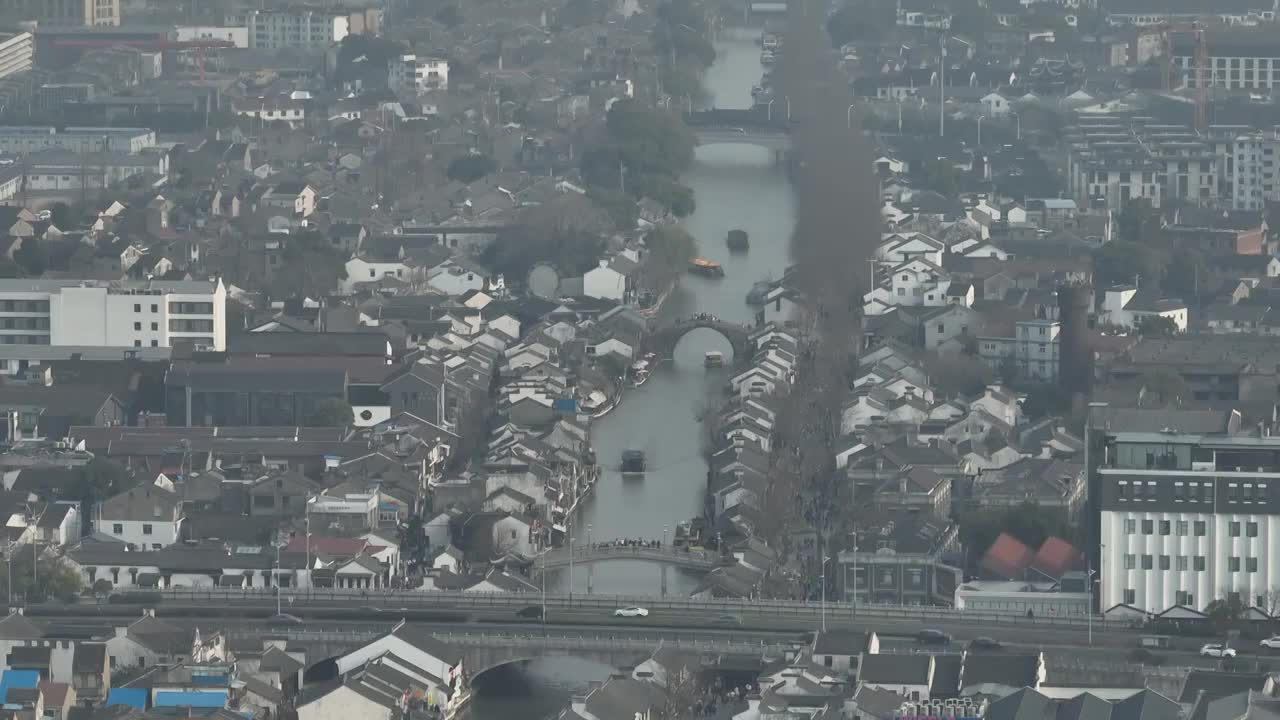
[
  {"x": 22, "y": 139},
  {"x": 237, "y": 36},
  {"x": 1187, "y": 519},
  {"x": 1253, "y": 165},
  {"x": 414, "y": 75},
  {"x": 141, "y": 314},
  {"x": 292, "y": 27},
  {"x": 16, "y": 53}
]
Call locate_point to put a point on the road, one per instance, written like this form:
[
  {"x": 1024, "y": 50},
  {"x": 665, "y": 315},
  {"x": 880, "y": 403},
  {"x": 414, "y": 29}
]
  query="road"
[
  {"x": 1109, "y": 642},
  {"x": 1058, "y": 644}
]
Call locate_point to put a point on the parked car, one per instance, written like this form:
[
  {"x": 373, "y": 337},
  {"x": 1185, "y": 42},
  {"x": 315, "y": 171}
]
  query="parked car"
[
  {"x": 1271, "y": 643},
  {"x": 933, "y": 637},
  {"x": 631, "y": 612},
  {"x": 1217, "y": 650},
  {"x": 533, "y": 612},
  {"x": 283, "y": 619},
  {"x": 728, "y": 619},
  {"x": 985, "y": 643}
]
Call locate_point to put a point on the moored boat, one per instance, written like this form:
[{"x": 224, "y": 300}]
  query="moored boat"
[{"x": 702, "y": 266}]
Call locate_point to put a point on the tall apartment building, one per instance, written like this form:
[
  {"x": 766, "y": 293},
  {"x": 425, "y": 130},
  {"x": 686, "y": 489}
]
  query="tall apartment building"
[
  {"x": 1239, "y": 59},
  {"x": 1118, "y": 160},
  {"x": 142, "y": 314},
  {"x": 299, "y": 27},
  {"x": 22, "y": 139},
  {"x": 1189, "y": 512},
  {"x": 410, "y": 74},
  {"x": 16, "y": 53},
  {"x": 64, "y": 12},
  {"x": 1253, "y": 158}
]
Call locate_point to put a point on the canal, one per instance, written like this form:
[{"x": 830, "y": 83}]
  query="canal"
[{"x": 735, "y": 186}]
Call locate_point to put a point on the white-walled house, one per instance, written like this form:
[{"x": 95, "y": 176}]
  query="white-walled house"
[
  {"x": 1126, "y": 306},
  {"x": 146, "y": 517},
  {"x": 367, "y": 270},
  {"x": 613, "y": 279}
]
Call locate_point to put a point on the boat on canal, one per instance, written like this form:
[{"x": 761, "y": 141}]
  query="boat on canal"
[
  {"x": 738, "y": 240},
  {"x": 633, "y": 462},
  {"x": 766, "y": 58},
  {"x": 702, "y": 266},
  {"x": 640, "y": 372},
  {"x": 713, "y": 359}
]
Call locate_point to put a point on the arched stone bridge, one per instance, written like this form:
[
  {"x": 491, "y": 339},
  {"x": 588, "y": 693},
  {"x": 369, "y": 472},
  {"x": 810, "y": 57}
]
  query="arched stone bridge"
[
  {"x": 663, "y": 339},
  {"x": 583, "y": 554}
]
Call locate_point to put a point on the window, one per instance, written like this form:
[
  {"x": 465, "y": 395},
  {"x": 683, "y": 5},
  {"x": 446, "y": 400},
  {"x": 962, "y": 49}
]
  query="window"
[
  {"x": 1198, "y": 563},
  {"x": 1146, "y": 562},
  {"x": 1128, "y": 562},
  {"x": 117, "y": 528},
  {"x": 1130, "y": 526},
  {"x": 1251, "y": 565},
  {"x": 1181, "y": 563},
  {"x": 1251, "y": 529},
  {"x": 137, "y": 307},
  {"x": 1181, "y": 527},
  {"x": 1233, "y": 528},
  {"x": 1165, "y": 527},
  {"x": 1182, "y": 597},
  {"x": 137, "y": 343},
  {"x": 155, "y": 343},
  {"x": 1130, "y": 596},
  {"x": 137, "y": 326},
  {"x": 155, "y": 307},
  {"x": 1148, "y": 527},
  {"x": 1199, "y": 528},
  {"x": 1233, "y": 564},
  {"x": 1164, "y": 562},
  {"x": 146, "y": 529}
]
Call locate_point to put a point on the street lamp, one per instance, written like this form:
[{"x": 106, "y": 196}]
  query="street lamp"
[
  {"x": 769, "y": 111},
  {"x": 980, "y": 130},
  {"x": 788, "y": 99},
  {"x": 848, "y": 116},
  {"x": 1017, "y": 118},
  {"x": 1089, "y": 608},
  {"x": 664, "y": 537}
]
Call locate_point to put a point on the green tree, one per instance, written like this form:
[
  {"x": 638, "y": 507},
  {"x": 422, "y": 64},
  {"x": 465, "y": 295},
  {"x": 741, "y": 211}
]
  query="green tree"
[
  {"x": 315, "y": 267},
  {"x": 32, "y": 256},
  {"x": 857, "y": 22},
  {"x": 449, "y": 16},
  {"x": 1121, "y": 262},
  {"x": 622, "y": 208},
  {"x": 413, "y": 541},
  {"x": 1031, "y": 523},
  {"x": 1139, "y": 222},
  {"x": 1188, "y": 276},
  {"x": 330, "y": 412},
  {"x": 568, "y": 232},
  {"x": 471, "y": 167},
  {"x": 62, "y": 216},
  {"x": 1154, "y": 325},
  {"x": 682, "y": 26},
  {"x": 669, "y": 193},
  {"x": 1165, "y": 387},
  {"x": 941, "y": 177},
  {"x": 639, "y": 149},
  {"x": 683, "y": 82},
  {"x": 1224, "y": 612},
  {"x": 94, "y": 482},
  {"x": 668, "y": 250},
  {"x": 55, "y": 580}
]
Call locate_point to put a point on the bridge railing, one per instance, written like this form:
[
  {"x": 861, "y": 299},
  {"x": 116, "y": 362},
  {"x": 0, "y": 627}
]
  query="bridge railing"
[
  {"x": 447, "y": 600},
  {"x": 602, "y": 551}
]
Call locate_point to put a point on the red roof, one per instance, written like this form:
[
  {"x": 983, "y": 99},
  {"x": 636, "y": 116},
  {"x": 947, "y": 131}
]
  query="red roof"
[
  {"x": 1007, "y": 557},
  {"x": 55, "y": 693},
  {"x": 333, "y": 546},
  {"x": 1056, "y": 557}
]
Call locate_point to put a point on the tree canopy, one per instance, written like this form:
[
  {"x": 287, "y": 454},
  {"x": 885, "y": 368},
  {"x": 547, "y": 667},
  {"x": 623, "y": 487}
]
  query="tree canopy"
[
  {"x": 642, "y": 151},
  {"x": 330, "y": 412},
  {"x": 567, "y": 232},
  {"x": 313, "y": 267},
  {"x": 668, "y": 250},
  {"x": 470, "y": 167},
  {"x": 682, "y": 26}
]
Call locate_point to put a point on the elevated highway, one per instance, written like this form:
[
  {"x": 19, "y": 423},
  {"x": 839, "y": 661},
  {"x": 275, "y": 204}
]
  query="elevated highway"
[{"x": 584, "y": 554}]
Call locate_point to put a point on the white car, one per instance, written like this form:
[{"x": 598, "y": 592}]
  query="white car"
[
  {"x": 1214, "y": 650},
  {"x": 631, "y": 612},
  {"x": 1271, "y": 643}
]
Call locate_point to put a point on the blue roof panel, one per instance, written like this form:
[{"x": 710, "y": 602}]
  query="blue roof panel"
[
  {"x": 133, "y": 697},
  {"x": 216, "y": 699}
]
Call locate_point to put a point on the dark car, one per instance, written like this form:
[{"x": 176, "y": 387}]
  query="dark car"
[
  {"x": 933, "y": 637},
  {"x": 533, "y": 612},
  {"x": 283, "y": 619},
  {"x": 985, "y": 643}
]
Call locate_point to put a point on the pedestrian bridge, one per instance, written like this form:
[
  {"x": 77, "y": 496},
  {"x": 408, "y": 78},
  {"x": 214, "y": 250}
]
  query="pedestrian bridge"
[
  {"x": 762, "y": 125},
  {"x": 663, "y": 340},
  {"x": 583, "y": 554}
]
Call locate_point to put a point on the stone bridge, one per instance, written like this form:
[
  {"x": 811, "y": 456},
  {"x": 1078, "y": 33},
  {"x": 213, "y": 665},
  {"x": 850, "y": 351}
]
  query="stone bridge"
[
  {"x": 583, "y": 554},
  {"x": 764, "y": 125},
  {"x": 663, "y": 339},
  {"x": 485, "y": 650}
]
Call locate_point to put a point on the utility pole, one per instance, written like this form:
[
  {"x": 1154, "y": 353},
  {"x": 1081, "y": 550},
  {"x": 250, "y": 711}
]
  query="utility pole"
[{"x": 942, "y": 86}]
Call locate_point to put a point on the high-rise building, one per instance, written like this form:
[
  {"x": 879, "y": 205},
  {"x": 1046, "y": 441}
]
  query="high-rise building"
[
  {"x": 1189, "y": 508},
  {"x": 141, "y": 314},
  {"x": 300, "y": 27},
  {"x": 64, "y": 12}
]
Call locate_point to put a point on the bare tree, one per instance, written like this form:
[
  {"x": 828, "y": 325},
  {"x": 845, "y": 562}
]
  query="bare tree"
[{"x": 681, "y": 690}]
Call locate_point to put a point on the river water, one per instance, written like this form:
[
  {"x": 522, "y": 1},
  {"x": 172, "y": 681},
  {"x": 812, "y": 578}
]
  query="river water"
[{"x": 735, "y": 186}]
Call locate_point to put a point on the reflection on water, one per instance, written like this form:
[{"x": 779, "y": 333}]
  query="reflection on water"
[{"x": 735, "y": 186}]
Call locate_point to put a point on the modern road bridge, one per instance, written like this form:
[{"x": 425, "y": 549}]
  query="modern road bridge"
[
  {"x": 584, "y": 554},
  {"x": 764, "y": 125}
]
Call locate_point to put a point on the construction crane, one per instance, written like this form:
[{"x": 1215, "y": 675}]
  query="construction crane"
[{"x": 1201, "y": 74}]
